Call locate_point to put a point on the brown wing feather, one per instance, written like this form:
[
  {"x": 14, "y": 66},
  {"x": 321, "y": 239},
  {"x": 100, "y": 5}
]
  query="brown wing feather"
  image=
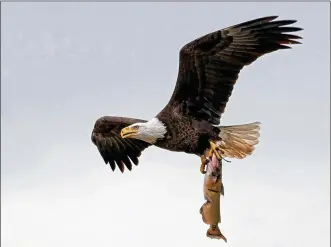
[
  {"x": 209, "y": 66},
  {"x": 113, "y": 149}
]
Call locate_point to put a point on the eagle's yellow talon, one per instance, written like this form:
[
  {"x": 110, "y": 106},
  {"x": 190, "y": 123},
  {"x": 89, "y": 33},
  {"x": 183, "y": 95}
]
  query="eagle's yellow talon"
[
  {"x": 203, "y": 164},
  {"x": 202, "y": 168},
  {"x": 205, "y": 158},
  {"x": 214, "y": 149}
]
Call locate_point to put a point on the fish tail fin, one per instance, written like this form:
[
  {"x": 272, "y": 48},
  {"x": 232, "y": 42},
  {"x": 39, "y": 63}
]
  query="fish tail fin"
[
  {"x": 215, "y": 232},
  {"x": 238, "y": 141}
]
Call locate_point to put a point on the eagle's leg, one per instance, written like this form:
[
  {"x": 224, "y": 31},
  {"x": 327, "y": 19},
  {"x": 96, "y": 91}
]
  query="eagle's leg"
[{"x": 214, "y": 149}]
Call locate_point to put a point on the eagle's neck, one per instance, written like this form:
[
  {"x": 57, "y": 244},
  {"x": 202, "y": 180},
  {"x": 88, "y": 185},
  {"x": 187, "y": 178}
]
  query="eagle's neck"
[{"x": 155, "y": 129}]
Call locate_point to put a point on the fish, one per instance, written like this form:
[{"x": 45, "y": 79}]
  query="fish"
[{"x": 213, "y": 189}]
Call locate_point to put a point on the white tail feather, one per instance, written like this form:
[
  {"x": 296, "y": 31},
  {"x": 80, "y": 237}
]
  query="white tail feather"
[{"x": 238, "y": 140}]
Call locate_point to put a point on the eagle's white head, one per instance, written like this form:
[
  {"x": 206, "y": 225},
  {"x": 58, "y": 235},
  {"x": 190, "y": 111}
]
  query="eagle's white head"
[{"x": 149, "y": 132}]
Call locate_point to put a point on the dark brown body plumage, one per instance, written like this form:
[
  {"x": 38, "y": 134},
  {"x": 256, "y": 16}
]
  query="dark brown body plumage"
[
  {"x": 208, "y": 69},
  {"x": 185, "y": 134}
]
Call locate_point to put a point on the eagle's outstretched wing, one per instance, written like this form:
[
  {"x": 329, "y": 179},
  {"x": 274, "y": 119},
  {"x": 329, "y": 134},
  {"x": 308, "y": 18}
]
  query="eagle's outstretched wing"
[
  {"x": 114, "y": 149},
  {"x": 209, "y": 66}
]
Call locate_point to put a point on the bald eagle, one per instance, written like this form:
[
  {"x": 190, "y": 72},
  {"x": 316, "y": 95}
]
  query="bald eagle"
[{"x": 208, "y": 69}]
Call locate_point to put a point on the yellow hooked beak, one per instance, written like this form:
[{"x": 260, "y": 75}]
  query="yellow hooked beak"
[{"x": 128, "y": 132}]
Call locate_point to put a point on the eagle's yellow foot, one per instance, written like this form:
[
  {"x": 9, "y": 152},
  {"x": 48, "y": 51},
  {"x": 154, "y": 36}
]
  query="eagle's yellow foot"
[
  {"x": 214, "y": 149},
  {"x": 204, "y": 159}
]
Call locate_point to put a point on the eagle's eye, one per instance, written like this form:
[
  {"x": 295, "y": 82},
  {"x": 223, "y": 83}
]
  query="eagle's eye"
[{"x": 135, "y": 127}]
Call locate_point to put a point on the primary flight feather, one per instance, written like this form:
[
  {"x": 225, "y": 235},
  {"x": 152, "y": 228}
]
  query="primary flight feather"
[{"x": 208, "y": 69}]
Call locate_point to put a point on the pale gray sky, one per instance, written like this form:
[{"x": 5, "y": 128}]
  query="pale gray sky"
[{"x": 66, "y": 64}]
